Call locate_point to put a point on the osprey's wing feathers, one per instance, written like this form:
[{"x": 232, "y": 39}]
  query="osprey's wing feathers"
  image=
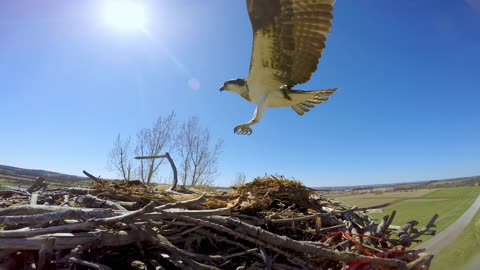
[
  {"x": 303, "y": 101},
  {"x": 288, "y": 38}
]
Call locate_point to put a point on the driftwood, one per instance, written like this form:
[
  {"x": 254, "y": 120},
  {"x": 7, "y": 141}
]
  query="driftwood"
[{"x": 272, "y": 223}]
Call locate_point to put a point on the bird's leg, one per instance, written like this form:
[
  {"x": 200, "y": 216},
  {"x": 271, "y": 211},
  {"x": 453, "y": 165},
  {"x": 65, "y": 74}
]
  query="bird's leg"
[{"x": 244, "y": 129}]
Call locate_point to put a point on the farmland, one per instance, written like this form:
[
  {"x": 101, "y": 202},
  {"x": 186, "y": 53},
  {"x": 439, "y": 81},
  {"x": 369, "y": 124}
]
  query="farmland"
[
  {"x": 371, "y": 199},
  {"x": 448, "y": 203},
  {"x": 19, "y": 177},
  {"x": 420, "y": 205}
]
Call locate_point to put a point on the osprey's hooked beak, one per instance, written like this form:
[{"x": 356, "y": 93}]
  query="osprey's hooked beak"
[{"x": 221, "y": 88}]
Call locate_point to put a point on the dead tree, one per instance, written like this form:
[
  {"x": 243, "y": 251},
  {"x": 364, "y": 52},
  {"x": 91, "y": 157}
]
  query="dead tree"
[
  {"x": 119, "y": 159},
  {"x": 198, "y": 155}
]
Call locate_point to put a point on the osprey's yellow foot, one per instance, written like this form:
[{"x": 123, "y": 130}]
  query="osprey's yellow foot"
[{"x": 242, "y": 129}]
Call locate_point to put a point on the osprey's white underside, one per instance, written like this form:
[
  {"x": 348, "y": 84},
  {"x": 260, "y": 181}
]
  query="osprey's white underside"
[{"x": 262, "y": 82}]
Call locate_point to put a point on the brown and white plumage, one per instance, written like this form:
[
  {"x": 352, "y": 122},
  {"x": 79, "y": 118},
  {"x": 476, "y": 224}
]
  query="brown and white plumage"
[{"x": 288, "y": 40}]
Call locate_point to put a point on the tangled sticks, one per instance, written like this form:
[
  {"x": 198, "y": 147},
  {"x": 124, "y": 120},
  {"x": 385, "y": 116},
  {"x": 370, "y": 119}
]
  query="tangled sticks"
[{"x": 271, "y": 223}]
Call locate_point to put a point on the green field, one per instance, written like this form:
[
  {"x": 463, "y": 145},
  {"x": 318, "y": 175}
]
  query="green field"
[
  {"x": 448, "y": 203},
  {"x": 462, "y": 250},
  {"x": 420, "y": 205}
]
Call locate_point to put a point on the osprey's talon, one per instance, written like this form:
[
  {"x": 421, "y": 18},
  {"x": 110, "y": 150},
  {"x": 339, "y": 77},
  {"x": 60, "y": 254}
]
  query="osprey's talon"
[{"x": 242, "y": 130}]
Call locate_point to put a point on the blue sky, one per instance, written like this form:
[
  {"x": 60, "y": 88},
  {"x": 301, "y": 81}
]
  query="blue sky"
[{"x": 408, "y": 108}]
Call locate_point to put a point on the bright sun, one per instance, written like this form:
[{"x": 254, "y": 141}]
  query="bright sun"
[{"x": 126, "y": 15}]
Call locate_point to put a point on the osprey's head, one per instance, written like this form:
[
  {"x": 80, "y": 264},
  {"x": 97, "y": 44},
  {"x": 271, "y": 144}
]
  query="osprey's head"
[{"x": 237, "y": 86}]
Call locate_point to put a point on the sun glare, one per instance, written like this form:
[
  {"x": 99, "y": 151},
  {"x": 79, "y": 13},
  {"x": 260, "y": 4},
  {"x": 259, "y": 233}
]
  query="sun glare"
[{"x": 126, "y": 15}]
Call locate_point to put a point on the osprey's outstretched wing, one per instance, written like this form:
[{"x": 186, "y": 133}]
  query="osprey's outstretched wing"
[{"x": 288, "y": 40}]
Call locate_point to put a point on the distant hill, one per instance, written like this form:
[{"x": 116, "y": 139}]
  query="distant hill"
[
  {"x": 21, "y": 175},
  {"x": 441, "y": 183}
]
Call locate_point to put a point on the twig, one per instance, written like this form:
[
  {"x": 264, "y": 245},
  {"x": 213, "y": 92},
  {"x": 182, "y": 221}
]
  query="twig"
[
  {"x": 190, "y": 213},
  {"x": 330, "y": 228},
  {"x": 226, "y": 257},
  {"x": 298, "y": 219},
  {"x": 89, "y": 264},
  {"x": 276, "y": 214}
]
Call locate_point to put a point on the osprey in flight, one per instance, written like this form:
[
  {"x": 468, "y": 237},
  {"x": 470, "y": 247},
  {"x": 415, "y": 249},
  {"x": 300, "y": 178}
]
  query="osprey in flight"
[{"x": 288, "y": 39}]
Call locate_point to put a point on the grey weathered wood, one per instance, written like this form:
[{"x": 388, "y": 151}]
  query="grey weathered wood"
[
  {"x": 46, "y": 253},
  {"x": 173, "y": 186},
  {"x": 94, "y": 202},
  {"x": 36, "y": 185},
  {"x": 71, "y": 240},
  {"x": 96, "y": 179}
]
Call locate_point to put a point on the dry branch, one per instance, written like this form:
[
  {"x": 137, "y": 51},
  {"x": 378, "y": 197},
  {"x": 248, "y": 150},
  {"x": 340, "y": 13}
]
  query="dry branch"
[
  {"x": 426, "y": 229},
  {"x": 36, "y": 185},
  {"x": 96, "y": 179},
  {"x": 75, "y": 260},
  {"x": 189, "y": 213}
]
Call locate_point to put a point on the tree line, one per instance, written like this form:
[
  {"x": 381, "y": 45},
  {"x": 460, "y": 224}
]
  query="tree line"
[{"x": 191, "y": 145}]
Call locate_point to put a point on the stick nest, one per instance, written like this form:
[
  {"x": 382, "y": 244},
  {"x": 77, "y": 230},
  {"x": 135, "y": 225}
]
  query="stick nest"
[{"x": 270, "y": 223}]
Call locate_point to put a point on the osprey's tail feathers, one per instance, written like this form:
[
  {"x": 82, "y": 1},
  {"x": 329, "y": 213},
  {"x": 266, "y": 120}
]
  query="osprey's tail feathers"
[{"x": 305, "y": 100}]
